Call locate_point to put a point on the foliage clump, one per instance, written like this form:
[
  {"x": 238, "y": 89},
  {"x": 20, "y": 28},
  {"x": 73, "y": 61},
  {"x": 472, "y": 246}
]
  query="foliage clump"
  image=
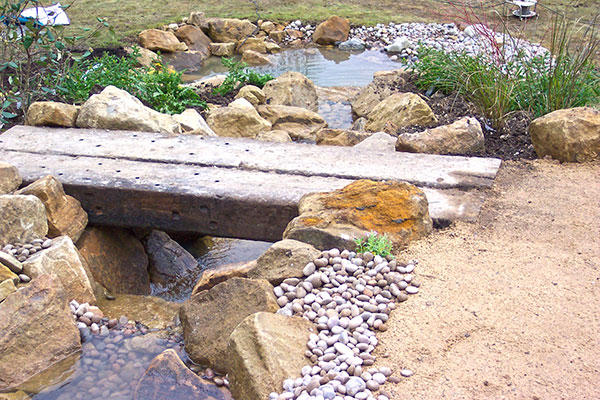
[
  {"x": 374, "y": 243},
  {"x": 239, "y": 75}
]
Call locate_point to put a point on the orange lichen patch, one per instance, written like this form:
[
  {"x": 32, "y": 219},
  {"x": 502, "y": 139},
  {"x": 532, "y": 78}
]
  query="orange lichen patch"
[{"x": 310, "y": 221}]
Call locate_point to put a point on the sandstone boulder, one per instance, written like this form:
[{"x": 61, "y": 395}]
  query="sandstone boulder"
[
  {"x": 10, "y": 179},
  {"x": 385, "y": 84},
  {"x": 37, "y": 332},
  {"x": 152, "y": 311},
  {"x": 22, "y": 219},
  {"x": 292, "y": 89},
  {"x": 210, "y": 316},
  {"x": 116, "y": 259},
  {"x": 239, "y": 119},
  {"x": 145, "y": 58},
  {"x": 378, "y": 142},
  {"x": 7, "y": 275},
  {"x": 570, "y": 135},
  {"x": 340, "y": 137},
  {"x": 253, "y": 94},
  {"x": 115, "y": 109},
  {"x": 267, "y": 26},
  {"x": 398, "y": 111},
  {"x": 252, "y": 43},
  {"x": 335, "y": 219},
  {"x": 7, "y": 287},
  {"x": 198, "y": 18},
  {"x": 264, "y": 350},
  {"x": 272, "y": 47},
  {"x": 252, "y": 57},
  {"x": 62, "y": 261},
  {"x": 168, "y": 261},
  {"x": 222, "y": 49},
  {"x": 278, "y": 136},
  {"x": 10, "y": 262},
  {"x": 230, "y": 29},
  {"x": 284, "y": 259},
  {"x": 359, "y": 124},
  {"x": 168, "y": 378},
  {"x": 461, "y": 137},
  {"x": 335, "y": 29},
  {"x": 299, "y": 123},
  {"x": 214, "y": 276},
  {"x": 278, "y": 35},
  {"x": 195, "y": 39},
  {"x": 159, "y": 40},
  {"x": 192, "y": 123},
  {"x": 65, "y": 214},
  {"x": 51, "y": 113}
]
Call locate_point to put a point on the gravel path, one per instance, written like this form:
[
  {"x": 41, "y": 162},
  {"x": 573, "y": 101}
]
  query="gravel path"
[{"x": 510, "y": 306}]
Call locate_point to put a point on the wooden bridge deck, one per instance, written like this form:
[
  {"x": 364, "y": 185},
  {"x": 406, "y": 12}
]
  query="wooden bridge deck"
[{"x": 222, "y": 186}]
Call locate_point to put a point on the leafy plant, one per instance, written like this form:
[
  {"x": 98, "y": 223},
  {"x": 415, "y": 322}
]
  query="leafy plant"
[
  {"x": 374, "y": 243},
  {"x": 239, "y": 75}
]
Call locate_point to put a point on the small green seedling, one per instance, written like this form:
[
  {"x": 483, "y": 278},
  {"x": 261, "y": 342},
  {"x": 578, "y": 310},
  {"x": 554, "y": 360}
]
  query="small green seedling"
[{"x": 374, "y": 243}]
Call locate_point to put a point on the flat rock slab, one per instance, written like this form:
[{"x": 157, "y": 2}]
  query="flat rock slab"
[{"x": 225, "y": 186}]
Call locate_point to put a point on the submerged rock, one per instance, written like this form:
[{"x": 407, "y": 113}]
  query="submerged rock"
[{"x": 152, "y": 311}]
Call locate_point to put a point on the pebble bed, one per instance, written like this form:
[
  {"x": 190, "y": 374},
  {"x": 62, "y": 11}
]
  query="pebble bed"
[
  {"x": 22, "y": 251},
  {"x": 349, "y": 297}
]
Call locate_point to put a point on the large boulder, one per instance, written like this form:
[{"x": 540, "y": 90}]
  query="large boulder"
[
  {"x": 284, "y": 259},
  {"x": 398, "y": 111},
  {"x": 230, "y": 30},
  {"x": 570, "y": 135},
  {"x": 385, "y": 84},
  {"x": 332, "y": 31},
  {"x": 37, "y": 332},
  {"x": 22, "y": 219},
  {"x": 192, "y": 123},
  {"x": 210, "y": 316},
  {"x": 168, "y": 378},
  {"x": 264, "y": 350},
  {"x": 292, "y": 89},
  {"x": 159, "y": 40},
  {"x": 299, "y": 123},
  {"x": 340, "y": 137},
  {"x": 336, "y": 219},
  {"x": 168, "y": 261},
  {"x": 461, "y": 137},
  {"x": 252, "y": 57},
  {"x": 239, "y": 119},
  {"x": 65, "y": 214},
  {"x": 115, "y": 109},
  {"x": 213, "y": 276},
  {"x": 51, "y": 113},
  {"x": 116, "y": 259},
  {"x": 195, "y": 39},
  {"x": 62, "y": 260},
  {"x": 10, "y": 179},
  {"x": 378, "y": 142},
  {"x": 152, "y": 311}
]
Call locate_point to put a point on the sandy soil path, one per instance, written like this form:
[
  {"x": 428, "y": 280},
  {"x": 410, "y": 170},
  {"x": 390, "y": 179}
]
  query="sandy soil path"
[{"x": 509, "y": 307}]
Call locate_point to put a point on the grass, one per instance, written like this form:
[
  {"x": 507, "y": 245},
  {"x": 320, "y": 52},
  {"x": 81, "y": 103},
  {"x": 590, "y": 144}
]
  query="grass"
[
  {"x": 129, "y": 17},
  {"x": 375, "y": 244}
]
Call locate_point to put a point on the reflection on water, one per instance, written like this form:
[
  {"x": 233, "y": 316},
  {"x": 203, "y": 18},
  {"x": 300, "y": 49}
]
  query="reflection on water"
[
  {"x": 210, "y": 253},
  {"x": 324, "y": 66}
]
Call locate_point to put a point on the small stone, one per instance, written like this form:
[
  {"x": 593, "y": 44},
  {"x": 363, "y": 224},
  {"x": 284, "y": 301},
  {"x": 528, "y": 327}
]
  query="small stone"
[
  {"x": 406, "y": 373},
  {"x": 24, "y": 278}
]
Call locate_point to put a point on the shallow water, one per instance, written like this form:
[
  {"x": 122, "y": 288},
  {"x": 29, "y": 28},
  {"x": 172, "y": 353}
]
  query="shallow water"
[{"x": 324, "y": 66}]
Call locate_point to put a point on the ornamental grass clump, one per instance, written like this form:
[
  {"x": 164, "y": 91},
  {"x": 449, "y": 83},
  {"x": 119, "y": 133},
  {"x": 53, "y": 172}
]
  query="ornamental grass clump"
[{"x": 374, "y": 243}]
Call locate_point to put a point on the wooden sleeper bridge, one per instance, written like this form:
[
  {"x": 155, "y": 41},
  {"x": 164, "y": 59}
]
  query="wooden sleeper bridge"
[{"x": 227, "y": 187}]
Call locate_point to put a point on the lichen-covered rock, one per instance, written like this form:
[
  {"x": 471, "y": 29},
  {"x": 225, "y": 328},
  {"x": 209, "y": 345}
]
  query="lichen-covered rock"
[
  {"x": 461, "y": 137},
  {"x": 222, "y": 49},
  {"x": 299, "y": 123},
  {"x": 340, "y": 137},
  {"x": 62, "y": 260},
  {"x": 192, "y": 123},
  {"x": 385, "y": 84},
  {"x": 292, "y": 89},
  {"x": 210, "y": 316},
  {"x": 398, "y": 111},
  {"x": 22, "y": 219},
  {"x": 239, "y": 119},
  {"x": 224, "y": 30},
  {"x": 263, "y": 351},
  {"x": 10, "y": 179},
  {"x": 284, "y": 259},
  {"x": 116, "y": 259},
  {"x": 37, "y": 332},
  {"x": 168, "y": 261},
  {"x": 115, "y": 109},
  {"x": 334, "y": 30},
  {"x": 167, "y": 377},
  {"x": 569, "y": 135},
  {"x": 335, "y": 219},
  {"x": 159, "y": 40},
  {"x": 51, "y": 113},
  {"x": 253, "y": 94},
  {"x": 214, "y": 276},
  {"x": 65, "y": 214}
]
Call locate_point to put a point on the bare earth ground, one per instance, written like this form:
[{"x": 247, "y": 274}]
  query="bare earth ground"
[{"x": 509, "y": 307}]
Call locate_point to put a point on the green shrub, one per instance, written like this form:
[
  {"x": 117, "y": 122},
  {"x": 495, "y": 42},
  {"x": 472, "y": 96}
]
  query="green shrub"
[
  {"x": 239, "y": 74},
  {"x": 158, "y": 87},
  {"x": 375, "y": 244}
]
